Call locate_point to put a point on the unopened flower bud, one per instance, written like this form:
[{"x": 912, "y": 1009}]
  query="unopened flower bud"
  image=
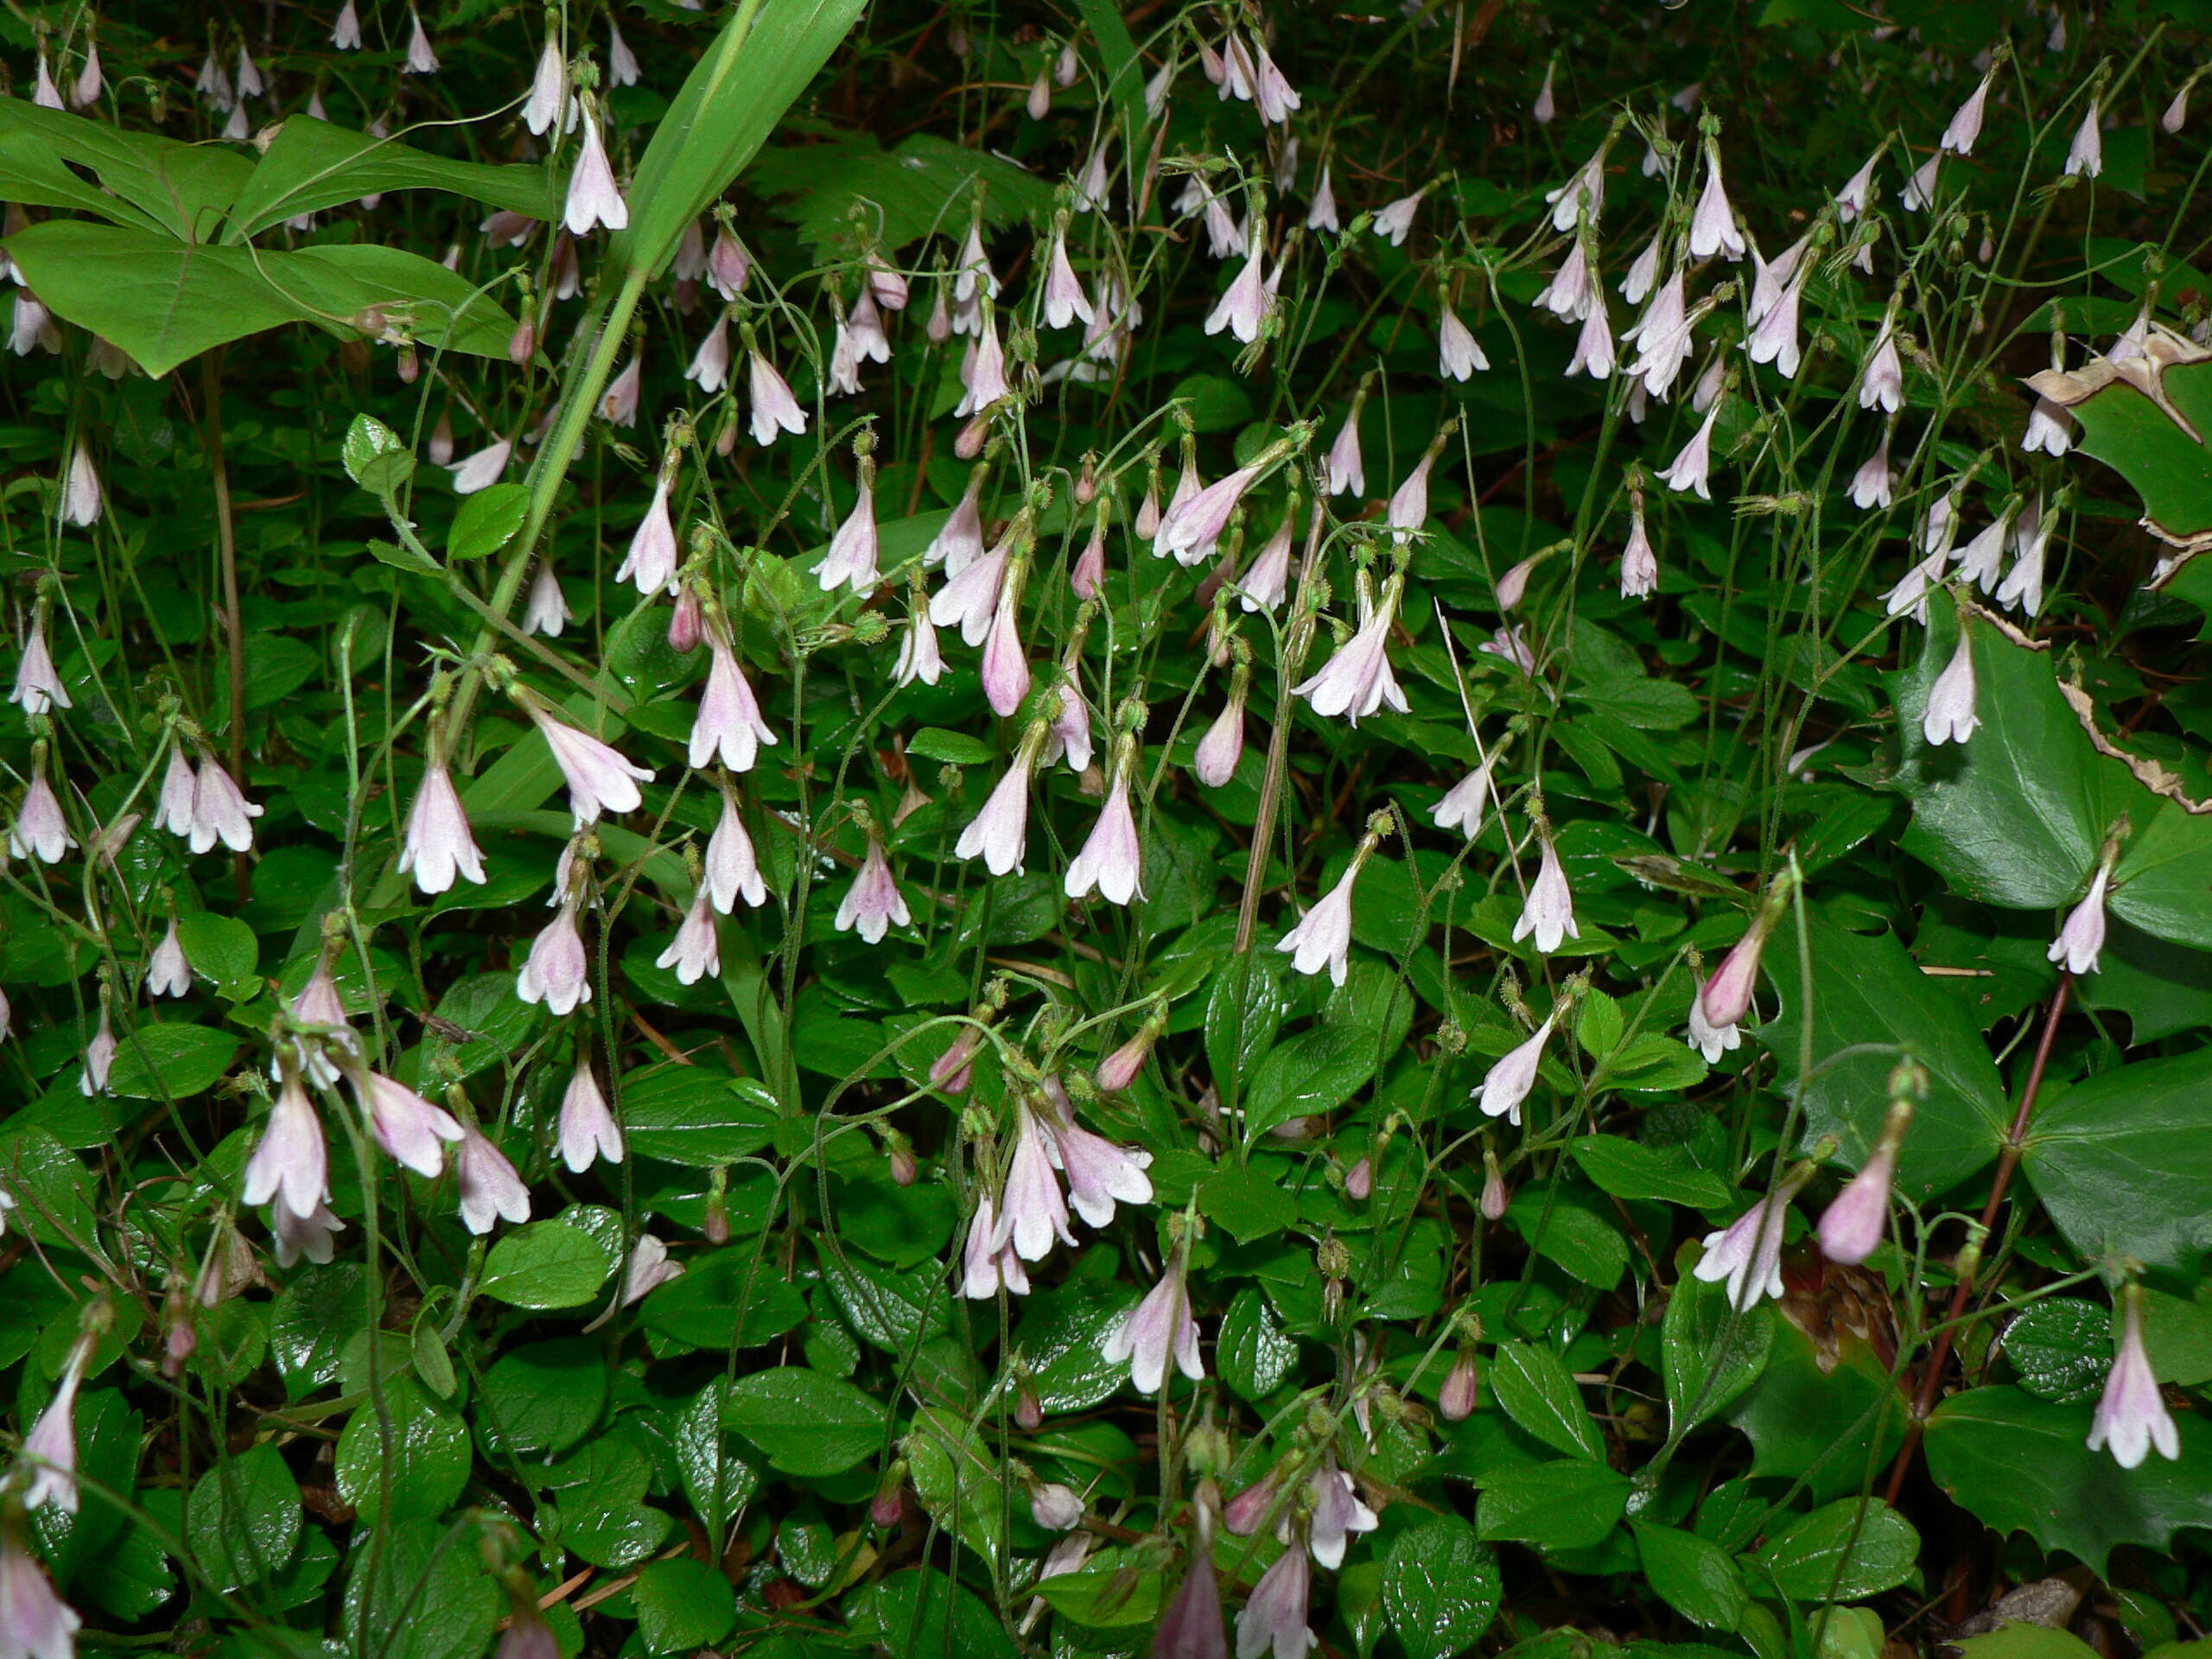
[
  {"x": 1242, "y": 1514},
  {"x": 889, "y": 1504},
  {"x": 522, "y": 344},
  {"x": 1359, "y": 1179},
  {"x": 1456, "y": 1399},
  {"x": 1206, "y": 1454},
  {"x": 180, "y": 1340},
  {"x": 686, "y": 621},
  {"x": 1119, "y": 1070},
  {"x": 716, "y": 1224},
  {"x": 1028, "y": 1409},
  {"x": 1495, "y": 1195},
  {"x": 1054, "y": 1507}
]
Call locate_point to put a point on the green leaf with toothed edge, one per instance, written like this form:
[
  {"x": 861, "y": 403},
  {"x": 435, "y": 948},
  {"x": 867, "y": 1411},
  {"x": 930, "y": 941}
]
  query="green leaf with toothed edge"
[
  {"x": 2153, "y": 448},
  {"x": 2018, "y": 1464}
]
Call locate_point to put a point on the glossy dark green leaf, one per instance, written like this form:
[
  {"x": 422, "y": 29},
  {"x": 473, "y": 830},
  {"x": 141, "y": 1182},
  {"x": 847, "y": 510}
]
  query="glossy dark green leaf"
[
  {"x": 1694, "y": 1576},
  {"x": 220, "y": 948},
  {"x": 1628, "y": 1169},
  {"x": 1105, "y": 1594},
  {"x": 1850, "y": 1549},
  {"x": 1359, "y": 1603},
  {"x": 682, "y": 1604},
  {"x": 2021, "y": 1465},
  {"x": 52, "y": 1189},
  {"x": 1535, "y": 1389},
  {"x": 717, "y": 1483},
  {"x": 731, "y": 1298},
  {"x": 2062, "y": 1349},
  {"x": 1828, "y": 1416},
  {"x": 954, "y": 748},
  {"x": 1062, "y": 1335},
  {"x": 1870, "y": 997},
  {"x": 2164, "y": 461},
  {"x": 2163, "y": 989},
  {"x": 131, "y": 1578},
  {"x": 2014, "y": 816},
  {"x": 1565, "y": 1504},
  {"x": 1253, "y": 1353},
  {"x": 417, "y": 1596},
  {"x": 2018, "y": 815},
  {"x": 1441, "y": 1587},
  {"x": 486, "y": 521},
  {"x": 1312, "y": 1072},
  {"x": 1562, "y": 1224},
  {"x": 604, "y": 1516},
  {"x": 411, "y": 1449},
  {"x": 170, "y": 1062},
  {"x": 1244, "y": 1010},
  {"x": 1246, "y": 1201},
  {"x": 109, "y": 1438},
  {"x": 542, "y": 1396},
  {"x": 804, "y": 1422},
  {"x": 2122, "y": 1160},
  {"x": 244, "y": 1517},
  {"x": 1710, "y": 1353},
  {"x": 546, "y": 1264},
  {"x": 920, "y": 1611},
  {"x": 688, "y": 1115},
  {"x": 958, "y": 1480},
  {"x": 319, "y": 1312}
]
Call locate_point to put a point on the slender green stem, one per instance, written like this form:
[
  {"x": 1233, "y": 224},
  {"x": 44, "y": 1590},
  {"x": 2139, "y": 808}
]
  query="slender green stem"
[{"x": 552, "y": 469}]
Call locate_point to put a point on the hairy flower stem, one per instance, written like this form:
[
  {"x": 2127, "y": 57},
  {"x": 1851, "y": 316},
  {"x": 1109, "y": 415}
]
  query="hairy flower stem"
[
  {"x": 1297, "y": 641},
  {"x": 2007, "y": 1162},
  {"x": 551, "y": 468},
  {"x": 227, "y": 549}
]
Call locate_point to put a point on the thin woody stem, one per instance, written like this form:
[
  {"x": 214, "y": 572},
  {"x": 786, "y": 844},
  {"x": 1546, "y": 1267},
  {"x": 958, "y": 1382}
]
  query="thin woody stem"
[{"x": 2007, "y": 1162}]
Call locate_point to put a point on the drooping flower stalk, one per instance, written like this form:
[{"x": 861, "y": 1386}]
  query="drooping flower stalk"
[
  {"x": 1852, "y": 1226},
  {"x": 1357, "y": 680},
  {"x": 1747, "y": 1253},
  {"x": 1548, "y": 911},
  {"x": 999, "y": 833},
  {"x": 1322, "y": 937},
  {"x": 873, "y": 902},
  {"x": 1507, "y": 1083},
  {"x": 1158, "y": 1329},
  {"x": 1111, "y": 858},
  {"x": 2131, "y": 1417}
]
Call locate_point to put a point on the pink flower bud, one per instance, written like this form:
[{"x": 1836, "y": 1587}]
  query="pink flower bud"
[
  {"x": 1494, "y": 1193},
  {"x": 1119, "y": 1070},
  {"x": 1455, "y": 1401},
  {"x": 1242, "y": 1514}
]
